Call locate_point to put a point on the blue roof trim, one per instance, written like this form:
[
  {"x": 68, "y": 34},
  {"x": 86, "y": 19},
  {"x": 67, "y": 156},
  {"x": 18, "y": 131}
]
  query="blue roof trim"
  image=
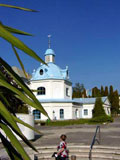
[
  {"x": 88, "y": 100},
  {"x": 58, "y": 101},
  {"x": 75, "y": 100}
]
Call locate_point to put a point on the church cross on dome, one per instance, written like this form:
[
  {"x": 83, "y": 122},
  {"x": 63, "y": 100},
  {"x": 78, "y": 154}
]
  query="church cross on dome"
[{"x": 49, "y": 42}]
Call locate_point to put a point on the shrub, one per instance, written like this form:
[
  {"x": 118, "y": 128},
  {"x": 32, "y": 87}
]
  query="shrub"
[
  {"x": 98, "y": 109},
  {"x": 102, "y": 119}
]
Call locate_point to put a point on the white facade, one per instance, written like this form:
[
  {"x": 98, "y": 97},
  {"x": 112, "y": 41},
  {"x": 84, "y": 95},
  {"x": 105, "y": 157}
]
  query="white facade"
[{"x": 54, "y": 91}]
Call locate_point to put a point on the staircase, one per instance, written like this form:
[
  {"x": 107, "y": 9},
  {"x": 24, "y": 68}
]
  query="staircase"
[{"x": 81, "y": 152}]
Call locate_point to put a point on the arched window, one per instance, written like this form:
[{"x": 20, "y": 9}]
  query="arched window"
[
  {"x": 41, "y": 91},
  {"x": 61, "y": 113},
  {"x": 37, "y": 114}
]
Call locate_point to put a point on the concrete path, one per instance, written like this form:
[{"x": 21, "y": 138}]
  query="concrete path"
[{"x": 79, "y": 134}]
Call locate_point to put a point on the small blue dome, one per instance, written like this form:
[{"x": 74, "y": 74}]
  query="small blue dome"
[
  {"x": 50, "y": 71},
  {"x": 49, "y": 52}
]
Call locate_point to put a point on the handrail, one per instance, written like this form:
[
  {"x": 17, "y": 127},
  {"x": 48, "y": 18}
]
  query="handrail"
[{"x": 94, "y": 140}]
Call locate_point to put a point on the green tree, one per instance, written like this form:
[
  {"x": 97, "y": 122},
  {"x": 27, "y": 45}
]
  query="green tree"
[
  {"x": 84, "y": 95},
  {"x": 98, "y": 109},
  {"x": 15, "y": 90},
  {"x": 78, "y": 89},
  {"x": 111, "y": 93},
  {"x": 106, "y": 91},
  {"x": 115, "y": 103},
  {"x": 95, "y": 92},
  {"x": 102, "y": 91}
]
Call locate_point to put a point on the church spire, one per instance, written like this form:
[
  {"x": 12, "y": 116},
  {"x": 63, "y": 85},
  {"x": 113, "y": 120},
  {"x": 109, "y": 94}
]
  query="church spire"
[
  {"x": 49, "y": 54},
  {"x": 49, "y": 42}
]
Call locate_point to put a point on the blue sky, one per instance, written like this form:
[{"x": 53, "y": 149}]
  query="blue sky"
[{"x": 85, "y": 37}]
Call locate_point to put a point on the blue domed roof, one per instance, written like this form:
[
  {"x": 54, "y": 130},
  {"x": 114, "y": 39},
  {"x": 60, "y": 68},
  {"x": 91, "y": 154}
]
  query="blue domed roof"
[
  {"x": 50, "y": 71},
  {"x": 49, "y": 52}
]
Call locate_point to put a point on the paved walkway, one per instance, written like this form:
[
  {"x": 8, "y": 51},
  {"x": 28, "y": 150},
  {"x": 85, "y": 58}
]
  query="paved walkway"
[{"x": 79, "y": 134}]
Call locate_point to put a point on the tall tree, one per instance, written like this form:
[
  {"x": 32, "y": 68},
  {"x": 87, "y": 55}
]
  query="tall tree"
[
  {"x": 77, "y": 90},
  {"x": 111, "y": 94},
  {"x": 98, "y": 109},
  {"x": 102, "y": 91},
  {"x": 95, "y": 92},
  {"x": 84, "y": 95},
  {"x": 106, "y": 91},
  {"x": 115, "y": 103}
]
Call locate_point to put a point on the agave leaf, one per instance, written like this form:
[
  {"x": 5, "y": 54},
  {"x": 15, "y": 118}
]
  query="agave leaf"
[
  {"x": 34, "y": 90},
  {"x": 14, "y": 141},
  {"x": 9, "y": 120},
  {"x": 25, "y": 124},
  {"x": 19, "y": 60},
  {"x": 16, "y": 31},
  {"x": 7, "y": 116},
  {"x": 13, "y": 154},
  {"x": 21, "y": 84},
  {"x": 20, "y": 135},
  {"x": 18, "y": 44},
  {"x": 16, "y": 7},
  {"x": 23, "y": 97},
  {"x": 4, "y": 99}
]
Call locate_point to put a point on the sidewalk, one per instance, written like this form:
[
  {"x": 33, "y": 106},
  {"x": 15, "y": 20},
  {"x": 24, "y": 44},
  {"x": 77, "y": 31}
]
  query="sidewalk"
[{"x": 79, "y": 134}]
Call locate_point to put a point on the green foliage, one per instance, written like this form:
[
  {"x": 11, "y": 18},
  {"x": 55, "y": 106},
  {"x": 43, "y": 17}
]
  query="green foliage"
[
  {"x": 79, "y": 91},
  {"x": 114, "y": 100},
  {"x": 96, "y": 120},
  {"x": 101, "y": 119},
  {"x": 68, "y": 122},
  {"x": 22, "y": 109},
  {"x": 98, "y": 109},
  {"x": 96, "y": 92},
  {"x": 102, "y": 91},
  {"x": 106, "y": 91},
  {"x": 115, "y": 103},
  {"x": 14, "y": 92}
]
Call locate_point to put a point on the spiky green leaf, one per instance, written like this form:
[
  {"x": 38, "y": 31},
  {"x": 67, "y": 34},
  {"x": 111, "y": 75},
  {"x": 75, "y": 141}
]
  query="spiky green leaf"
[
  {"x": 16, "y": 7},
  {"x": 25, "y": 124},
  {"x": 18, "y": 44},
  {"x": 19, "y": 60},
  {"x": 13, "y": 154},
  {"x": 22, "y": 85},
  {"x": 14, "y": 141},
  {"x": 16, "y": 31},
  {"x": 22, "y": 96}
]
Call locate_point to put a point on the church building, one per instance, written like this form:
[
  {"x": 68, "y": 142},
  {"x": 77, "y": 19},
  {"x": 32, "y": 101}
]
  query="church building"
[{"x": 54, "y": 91}]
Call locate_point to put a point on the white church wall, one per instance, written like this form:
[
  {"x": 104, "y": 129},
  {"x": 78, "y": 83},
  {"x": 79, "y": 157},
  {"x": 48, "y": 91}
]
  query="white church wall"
[
  {"x": 67, "y": 90},
  {"x": 53, "y": 110},
  {"x": 87, "y": 110},
  {"x": 76, "y": 112},
  {"x": 55, "y": 89},
  {"x": 46, "y": 84}
]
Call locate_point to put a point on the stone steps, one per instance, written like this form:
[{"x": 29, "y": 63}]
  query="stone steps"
[{"x": 81, "y": 152}]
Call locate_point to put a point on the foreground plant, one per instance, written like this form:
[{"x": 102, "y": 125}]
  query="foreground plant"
[{"x": 12, "y": 89}]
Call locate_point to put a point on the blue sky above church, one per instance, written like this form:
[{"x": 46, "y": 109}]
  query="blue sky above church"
[{"x": 85, "y": 37}]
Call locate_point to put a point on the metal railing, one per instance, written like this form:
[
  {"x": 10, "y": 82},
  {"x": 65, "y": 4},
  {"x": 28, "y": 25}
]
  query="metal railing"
[{"x": 95, "y": 139}]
